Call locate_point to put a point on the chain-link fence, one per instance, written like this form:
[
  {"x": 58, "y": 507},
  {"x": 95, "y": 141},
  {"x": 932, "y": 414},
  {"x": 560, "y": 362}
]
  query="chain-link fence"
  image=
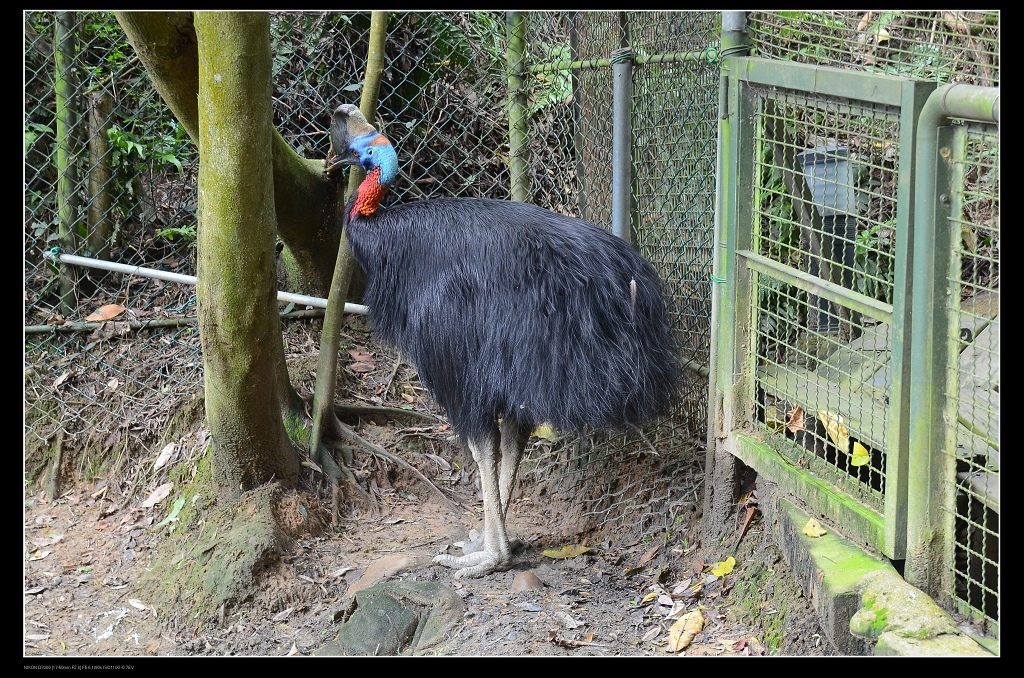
[
  {"x": 638, "y": 482},
  {"x": 111, "y": 175}
]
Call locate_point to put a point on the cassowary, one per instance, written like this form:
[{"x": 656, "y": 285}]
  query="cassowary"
[{"x": 513, "y": 315}]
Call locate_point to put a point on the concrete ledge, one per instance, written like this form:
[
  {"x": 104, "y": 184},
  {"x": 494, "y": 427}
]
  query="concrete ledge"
[{"x": 864, "y": 605}]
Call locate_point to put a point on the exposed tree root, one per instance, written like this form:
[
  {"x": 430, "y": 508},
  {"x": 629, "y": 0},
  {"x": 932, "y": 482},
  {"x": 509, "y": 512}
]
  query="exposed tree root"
[
  {"x": 386, "y": 412},
  {"x": 379, "y": 451}
]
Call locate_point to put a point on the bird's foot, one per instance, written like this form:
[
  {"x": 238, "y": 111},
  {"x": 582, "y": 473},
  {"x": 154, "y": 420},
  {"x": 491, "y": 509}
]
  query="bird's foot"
[
  {"x": 473, "y": 565},
  {"x": 476, "y": 542}
]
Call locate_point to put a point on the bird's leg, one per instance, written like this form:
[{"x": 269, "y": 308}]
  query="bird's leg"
[
  {"x": 513, "y": 443},
  {"x": 497, "y": 551}
]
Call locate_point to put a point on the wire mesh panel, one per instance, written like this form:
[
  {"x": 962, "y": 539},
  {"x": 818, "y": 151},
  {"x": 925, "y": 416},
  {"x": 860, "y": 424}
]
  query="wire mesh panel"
[
  {"x": 815, "y": 327},
  {"x": 973, "y": 381},
  {"x": 834, "y": 357},
  {"x": 824, "y": 206},
  {"x": 940, "y": 46}
]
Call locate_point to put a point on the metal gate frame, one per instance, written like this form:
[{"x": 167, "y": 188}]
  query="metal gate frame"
[{"x": 914, "y": 522}]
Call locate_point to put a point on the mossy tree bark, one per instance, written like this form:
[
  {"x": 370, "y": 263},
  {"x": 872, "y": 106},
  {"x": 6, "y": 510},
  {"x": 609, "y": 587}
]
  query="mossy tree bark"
[
  {"x": 236, "y": 290},
  {"x": 304, "y": 201}
]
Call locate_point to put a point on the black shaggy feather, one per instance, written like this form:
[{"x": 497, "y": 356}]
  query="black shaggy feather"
[
  {"x": 510, "y": 310},
  {"x": 512, "y": 314}
]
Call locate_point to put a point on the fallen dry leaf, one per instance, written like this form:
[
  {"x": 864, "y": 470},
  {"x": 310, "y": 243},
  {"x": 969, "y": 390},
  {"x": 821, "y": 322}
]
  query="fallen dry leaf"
[
  {"x": 795, "y": 419},
  {"x": 555, "y": 639},
  {"x": 682, "y": 633},
  {"x": 567, "y": 551},
  {"x": 158, "y": 495},
  {"x": 105, "y": 313},
  {"x": 164, "y": 456},
  {"x": 836, "y": 428},
  {"x": 724, "y": 567},
  {"x": 646, "y": 558},
  {"x": 545, "y": 432},
  {"x": 814, "y": 529},
  {"x": 651, "y": 634},
  {"x": 860, "y": 455}
]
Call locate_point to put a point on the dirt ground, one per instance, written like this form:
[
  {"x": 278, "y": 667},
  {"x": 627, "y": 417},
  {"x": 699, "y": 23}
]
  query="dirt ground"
[
  {"x": 87, "y": 552},
  {"x": 82, "y": 562}
]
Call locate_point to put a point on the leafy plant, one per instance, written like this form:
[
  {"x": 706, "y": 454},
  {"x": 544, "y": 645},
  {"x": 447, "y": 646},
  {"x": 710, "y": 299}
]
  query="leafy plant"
[
  {"x": 554, "y": 87},
  {"x": 164, "y": 148},
  {"x": 186, "y": 233},
  {"x": 33, "y": 131},
  {"x": 873, "y": 256}
]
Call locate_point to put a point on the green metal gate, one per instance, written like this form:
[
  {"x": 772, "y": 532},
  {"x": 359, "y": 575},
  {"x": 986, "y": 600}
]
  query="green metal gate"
[{"x": 827, "y": 382}]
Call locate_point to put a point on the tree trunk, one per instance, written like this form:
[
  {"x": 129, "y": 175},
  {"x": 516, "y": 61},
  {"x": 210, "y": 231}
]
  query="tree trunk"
[
  {"x": 304, "y": 200},
  {"x": 236, "y": 288}
]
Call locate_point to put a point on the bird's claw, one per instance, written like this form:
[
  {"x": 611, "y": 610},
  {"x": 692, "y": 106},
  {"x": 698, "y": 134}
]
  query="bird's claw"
[{"x": 473, "y": 565}]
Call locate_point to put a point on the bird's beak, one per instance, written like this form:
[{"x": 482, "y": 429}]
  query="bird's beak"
[{"x": 334, "y": 164}]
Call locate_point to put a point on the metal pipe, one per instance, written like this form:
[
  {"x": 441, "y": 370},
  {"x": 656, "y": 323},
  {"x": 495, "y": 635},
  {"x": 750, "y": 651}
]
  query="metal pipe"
[
  {"x": 928, "y": 522},
  {"x": 641, "y": 60},
  {"x": 622, "y": 133},
  {"x": 718, "y": 463},
  {"x": 156, "y": 274}
]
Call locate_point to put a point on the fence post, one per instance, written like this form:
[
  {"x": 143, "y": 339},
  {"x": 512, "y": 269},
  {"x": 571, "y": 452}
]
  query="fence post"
[
  {"x": 517, "y": 113},
  {"x": 67, "y": 174},
  {"x": 933, "y": 416},
  {"x": 622, "y": 136},
  {"x": 721, "y": 466}
]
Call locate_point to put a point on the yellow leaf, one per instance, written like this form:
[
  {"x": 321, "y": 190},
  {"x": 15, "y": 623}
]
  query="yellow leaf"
[
  {"x": 105, "y": 313},
  {"x": 724, "y": 567},
  {"x": 836, "y": 428},
  {"x": 545, "y": 432},
  {"x": 567, "y": 551},
  {"x": 814, "y": 529},
  {"x": 682, "y": 633},
  {"x": 649, "y": 597},
  {"x": 860, "y": 455}
]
